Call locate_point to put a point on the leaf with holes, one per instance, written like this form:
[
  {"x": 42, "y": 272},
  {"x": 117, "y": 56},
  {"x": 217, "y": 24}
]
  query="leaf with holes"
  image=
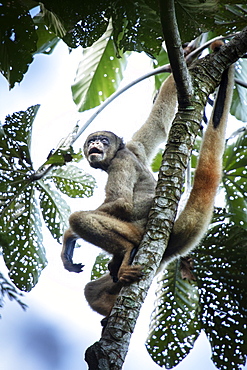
[
  {"x": 20, "y": 222},
  {"x": 239, "y": 106},
  {"x": 220, "y": 265},
  {"x": 18, "y": 40},
  {"x": 54, "y": 209},
  {"x": 100, "y": 266},
  {"x": 235, "y": 178},
  {"x": 96, "y": 79},
  {"x": 72, "y": 181},
  {"x": 21, "y": 239},
  {"x": 20, "y": 225},
  {"x": 175, "y": 322}
]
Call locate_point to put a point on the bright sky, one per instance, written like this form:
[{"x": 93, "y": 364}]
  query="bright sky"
[{"x": 59, "y": 325}]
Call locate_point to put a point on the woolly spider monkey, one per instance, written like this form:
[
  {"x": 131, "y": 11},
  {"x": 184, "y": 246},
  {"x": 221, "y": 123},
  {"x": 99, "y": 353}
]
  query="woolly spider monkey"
[{"x": 118, "y": 225}]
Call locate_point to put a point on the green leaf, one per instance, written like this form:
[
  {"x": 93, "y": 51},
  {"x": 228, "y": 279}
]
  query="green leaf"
[
  {"x": 156, "y": 163},
  {"x": 161, "y": 60},
  {"x": 47, "y": 40},
  {"x": 54, "y": 209},
  {"x": 98, "y": 74},
  {"x": 17, "y": 41},
  {"x": 220, "y": 265},
  {"x": 137, "y": 26},
  {"x": 229, "y": 17},
  {"x": 52, "y": 21},
  {"x": 235, "y": 178},
  {"x": 72, "y": 181},
  {"x": 21, "y": 239},
  {"x": 100, "y": 266},
  {"x": 8, "y": 289},
  {"x": 175, "y": 321},
  {"x": 15, "y": 161},
  {"x": 239, "y": 101}
]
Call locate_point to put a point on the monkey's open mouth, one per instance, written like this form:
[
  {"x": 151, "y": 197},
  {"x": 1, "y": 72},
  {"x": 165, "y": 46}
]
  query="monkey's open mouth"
[{"x": 95, "y": 151}]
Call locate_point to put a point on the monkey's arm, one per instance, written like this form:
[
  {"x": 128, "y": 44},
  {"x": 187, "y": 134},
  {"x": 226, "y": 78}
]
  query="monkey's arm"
[
  {"x": 193, "y": 221},
  {"x": 155, "y": 129}
]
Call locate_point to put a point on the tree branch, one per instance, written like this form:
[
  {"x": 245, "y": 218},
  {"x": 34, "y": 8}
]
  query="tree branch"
[{"x": 176, "y": 53}]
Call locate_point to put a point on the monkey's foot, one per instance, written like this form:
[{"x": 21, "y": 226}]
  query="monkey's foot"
[
  {"x": 73, "y": 267},
  {"x": 129, "y": 274}
]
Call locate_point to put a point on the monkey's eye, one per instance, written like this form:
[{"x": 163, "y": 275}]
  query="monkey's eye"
[{"x": 105, "y": 141}]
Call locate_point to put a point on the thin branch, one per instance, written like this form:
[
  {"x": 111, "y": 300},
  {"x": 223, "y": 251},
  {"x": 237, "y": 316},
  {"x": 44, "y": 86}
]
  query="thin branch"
[
  {"x": 241, "y": 83},
  {"x": 175, "y": 52},
  {"x": 195, "y": 53},
  {"x": 164, "y": 69}
]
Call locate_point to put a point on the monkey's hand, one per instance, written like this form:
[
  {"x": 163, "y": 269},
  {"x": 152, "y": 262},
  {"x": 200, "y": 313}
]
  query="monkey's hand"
[
  {"x": 73, "y": 267},
  {"x": 130, "y": 274}
]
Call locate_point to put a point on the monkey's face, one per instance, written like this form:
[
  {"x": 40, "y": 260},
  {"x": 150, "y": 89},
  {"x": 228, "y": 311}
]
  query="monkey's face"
[
  {"x": 101, "y": 147},
  {"x": 97, "y": 148}
]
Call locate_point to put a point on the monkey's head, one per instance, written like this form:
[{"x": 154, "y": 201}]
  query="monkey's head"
[{"x": 101, "y": 147}]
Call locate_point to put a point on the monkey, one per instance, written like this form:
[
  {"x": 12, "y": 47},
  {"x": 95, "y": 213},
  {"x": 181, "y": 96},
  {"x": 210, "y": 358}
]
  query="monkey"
[{"x": 118, "y": 225}]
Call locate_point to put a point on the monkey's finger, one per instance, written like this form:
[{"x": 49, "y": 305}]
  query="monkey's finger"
[{"x": 74, "y": 267}]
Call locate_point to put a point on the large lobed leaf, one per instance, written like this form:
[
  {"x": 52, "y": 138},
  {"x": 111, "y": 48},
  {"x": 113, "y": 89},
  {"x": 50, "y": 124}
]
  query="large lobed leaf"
[
  {"x": 17, "y": 38},
  {"x": 22, "y": 241},
  {"x": 20, "y": 216},
  {"x": 220, "y": 265},
  {"x": 235, "y": 178},
  {"x": 216, "y": 303},
  {"x": 20, "y": 225},
  {"x": 239, "y": 101},
  {"x": 54, "y": 209},
  {"x": 99, "y": 73},
  {"x": 15, "y": 160},
  {"x": 175, "y": 322},
  {"x": 72, "y": 181}
]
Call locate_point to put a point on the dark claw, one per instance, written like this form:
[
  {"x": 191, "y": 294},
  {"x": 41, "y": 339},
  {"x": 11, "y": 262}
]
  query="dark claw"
[
  {"x": 104, "y": 322},
  {"x": 132, "y": 254}
]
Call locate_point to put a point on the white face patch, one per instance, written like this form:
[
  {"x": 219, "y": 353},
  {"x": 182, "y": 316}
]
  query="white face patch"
[
  {"x": 95, "y": 150},
  {"x": 95, "y": 157}
]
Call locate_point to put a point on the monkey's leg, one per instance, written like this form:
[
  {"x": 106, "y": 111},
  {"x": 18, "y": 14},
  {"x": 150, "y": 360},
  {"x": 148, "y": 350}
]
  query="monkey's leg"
[{"x": 113, "y": 235}]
